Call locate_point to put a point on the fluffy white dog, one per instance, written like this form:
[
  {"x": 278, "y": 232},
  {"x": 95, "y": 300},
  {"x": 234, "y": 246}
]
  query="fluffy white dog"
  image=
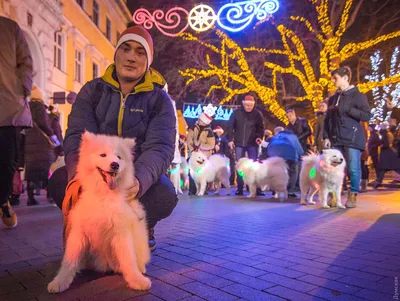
[
  {"x": 213, "y": 170},
  {"x": 108, "y": 229},
  {"x": 323, "y": 173},
  {"x": 271, "y": 173},
  {"x": 180, "y": 174}
]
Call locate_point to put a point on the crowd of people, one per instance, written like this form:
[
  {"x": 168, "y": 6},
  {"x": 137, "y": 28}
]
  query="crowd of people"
[
  {"x": 341, "y": 122},
  {"x": 31, "y": 137}
]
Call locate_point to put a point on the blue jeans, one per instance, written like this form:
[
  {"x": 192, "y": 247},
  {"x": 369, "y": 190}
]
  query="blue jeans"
[
  {"x": 240, "y": 153},
  {"x": 353, "y": 160}
]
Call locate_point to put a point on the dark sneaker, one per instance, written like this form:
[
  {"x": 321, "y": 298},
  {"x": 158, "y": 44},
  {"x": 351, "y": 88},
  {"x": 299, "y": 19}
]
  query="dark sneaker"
[
  {"x": 32, "y": 202},
  {"x": 260, "y": 193},
  {"x": 14, "y": 200},
  {"x": 239, "y": 192},
  {"x": 292, "y": 195},
  {"x": 152, "y": 240}
]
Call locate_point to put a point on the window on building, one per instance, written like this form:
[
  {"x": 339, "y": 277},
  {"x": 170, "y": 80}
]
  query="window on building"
[
  {"x": 78, "y": 66},
  {"x": 58, "y": 50},
  {"x": 96, "y": 13},
  {"x": 95, "y": 70},
  {"x": 80, "y": 2},
  {"x": 108, "y": 29}
]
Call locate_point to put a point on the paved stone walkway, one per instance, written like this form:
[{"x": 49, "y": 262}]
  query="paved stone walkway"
[{"x": 227, "y": 248}]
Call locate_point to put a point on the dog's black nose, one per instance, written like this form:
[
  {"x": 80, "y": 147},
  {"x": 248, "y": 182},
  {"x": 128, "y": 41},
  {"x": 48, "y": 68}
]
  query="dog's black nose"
[
  {"x": 114, "y": 166},
  {"x": 341, "y": 160}
]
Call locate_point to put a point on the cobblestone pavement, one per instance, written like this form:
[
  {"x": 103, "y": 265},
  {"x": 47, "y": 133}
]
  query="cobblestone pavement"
[{"x": 227, "y": 248}]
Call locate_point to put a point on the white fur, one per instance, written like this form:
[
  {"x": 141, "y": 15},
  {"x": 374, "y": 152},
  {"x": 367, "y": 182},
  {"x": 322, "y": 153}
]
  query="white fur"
[
  {"x": 271, "y": 173},
  {"x": 213, "y": 170},
  {"x": 329, "y": 173},
  {"x": 108, "y": 232},
  {"x": 175, "y": 178},
  {"x": 180, "y": 173}
]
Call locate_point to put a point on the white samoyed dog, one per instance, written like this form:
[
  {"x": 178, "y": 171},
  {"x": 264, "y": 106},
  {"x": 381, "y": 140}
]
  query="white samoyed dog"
[
  {"x": 106, "y": 229},
  {"x": 213, "y": 170},
  {"x": 180, "y": 174},
  {"x": 323, "y": 173},
  {"x": 270, "y": 173}
]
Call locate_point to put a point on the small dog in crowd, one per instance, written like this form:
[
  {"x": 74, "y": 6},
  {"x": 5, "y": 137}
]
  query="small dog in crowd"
[
  {"x": 213, "y": 170},
  {"x": 323, "y": 173},
  {"x": 179, "y": 174},
  {"x": 106, "y": 228},
  {"x": 270, "y": 173},
  {"x": 184, "y": 173}
]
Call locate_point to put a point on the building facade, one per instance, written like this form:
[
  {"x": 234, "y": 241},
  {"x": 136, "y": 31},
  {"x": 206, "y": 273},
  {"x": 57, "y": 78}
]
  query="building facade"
[{"x": 71, "y": 42}]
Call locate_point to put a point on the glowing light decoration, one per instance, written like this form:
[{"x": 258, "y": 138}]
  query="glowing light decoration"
[
  {"x": 390, "y": 90},
  {"x": 313, "y": 173},
  {"x": 172, "y": 18},
  {"x": 175, "y": 170},
  {"x": 232, "y": 16},
  {"x": 234, "y": 76},
  {"x": 193, "y": 111},
  {"x": 237, "y": 16},
  {"x": 210, "y": 110},
  {"x": 199, "y": 171},
  {"x": 201, "y": 18}
]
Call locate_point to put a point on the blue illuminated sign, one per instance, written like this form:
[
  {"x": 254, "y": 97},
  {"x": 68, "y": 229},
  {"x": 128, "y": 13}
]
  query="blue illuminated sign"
[{"x": 194, "y": 111}]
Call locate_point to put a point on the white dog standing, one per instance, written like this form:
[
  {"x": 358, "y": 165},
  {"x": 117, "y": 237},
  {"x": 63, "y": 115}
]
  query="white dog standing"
[
  {"x": 107, "y": 229},
  {"x": 180, "y": 175},
  {"x": 213, "y": 170},
  {"x": 323, "y": 173},
  {"x": 271, "y": 173}
]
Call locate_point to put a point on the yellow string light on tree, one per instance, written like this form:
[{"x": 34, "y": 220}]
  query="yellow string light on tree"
[
  {"x": 231, "y": 52},
  {"x": 330, "y": 58}
]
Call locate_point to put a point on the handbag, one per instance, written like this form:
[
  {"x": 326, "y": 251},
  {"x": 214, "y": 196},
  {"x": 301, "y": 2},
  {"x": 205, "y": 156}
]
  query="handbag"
[{"x": 51, "y": 142}]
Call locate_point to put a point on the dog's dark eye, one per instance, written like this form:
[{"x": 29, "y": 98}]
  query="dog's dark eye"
[
  {"x": 103, "y": 155},
  {"x": 119, "y": 157}
]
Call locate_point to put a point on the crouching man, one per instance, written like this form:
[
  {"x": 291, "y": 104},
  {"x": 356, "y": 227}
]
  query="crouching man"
[{"x": 127, "y": 101}]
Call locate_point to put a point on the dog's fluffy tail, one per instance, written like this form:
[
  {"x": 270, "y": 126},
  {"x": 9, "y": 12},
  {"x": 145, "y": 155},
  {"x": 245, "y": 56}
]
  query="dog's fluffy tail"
[
  {"x": 309, "y": 161},
  {"x": 276, "y": 162}
]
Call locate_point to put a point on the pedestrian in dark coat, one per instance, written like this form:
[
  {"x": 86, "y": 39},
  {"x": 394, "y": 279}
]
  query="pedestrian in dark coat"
[
  {"x": 39, "y": 152},
  {"x": 16, "y": 72},
  {"x": 319, "y": 126},
  {"x": 343, "y": 129},
  {"x": 300, "y": 127},
  {"x": 245, "y": 132},
  {"x": 373, "y": 147},
  {"x": 388, "y": 159},
  {"x": 221, "y": 143}
]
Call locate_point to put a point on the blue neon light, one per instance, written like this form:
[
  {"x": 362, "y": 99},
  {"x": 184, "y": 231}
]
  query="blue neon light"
[
  {"x": 193, "y": 112},
  {"x": 240, "y": 14}
]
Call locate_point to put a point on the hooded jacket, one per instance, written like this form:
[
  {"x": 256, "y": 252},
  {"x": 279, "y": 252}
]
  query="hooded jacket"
[
  {"x": 146, "y": 114},
  {"x": 285, "y": 145},
  {"x": 16, "y": 71},
  {"x": 342, "y": 125}
]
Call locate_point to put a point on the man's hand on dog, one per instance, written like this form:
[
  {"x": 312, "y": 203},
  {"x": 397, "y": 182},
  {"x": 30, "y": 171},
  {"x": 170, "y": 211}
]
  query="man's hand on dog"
[{"x": 133, "y": 190}]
